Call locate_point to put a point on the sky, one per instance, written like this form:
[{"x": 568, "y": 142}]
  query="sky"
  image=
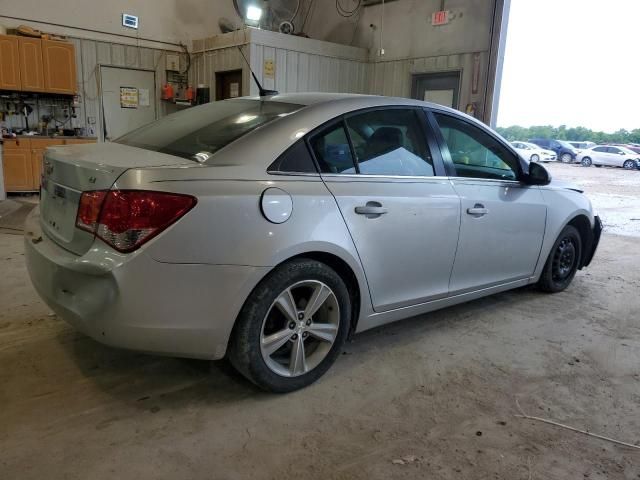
[{"x": 572, "y": 62}]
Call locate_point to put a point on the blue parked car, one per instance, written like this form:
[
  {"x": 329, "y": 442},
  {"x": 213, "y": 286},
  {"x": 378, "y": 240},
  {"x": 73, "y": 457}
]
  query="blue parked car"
[{"x": 565, "y": 152}]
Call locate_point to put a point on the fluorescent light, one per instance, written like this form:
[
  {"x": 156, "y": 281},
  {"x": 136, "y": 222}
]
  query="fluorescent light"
[{"x": 254, "y": 13}]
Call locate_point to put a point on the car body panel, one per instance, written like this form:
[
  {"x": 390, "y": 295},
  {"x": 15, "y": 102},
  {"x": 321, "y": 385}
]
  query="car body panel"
[
  {"x": 515, "y": 212},
  {"x": 418, "y": 234}
]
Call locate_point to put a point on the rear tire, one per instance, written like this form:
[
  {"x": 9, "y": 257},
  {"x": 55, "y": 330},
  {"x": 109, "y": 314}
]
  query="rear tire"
[
  {"x": 629, "y": 165},
  {"x": 282, "y": 352},
  {"x": 562, "y": 264},
  {"x": 586, "y": 162}
]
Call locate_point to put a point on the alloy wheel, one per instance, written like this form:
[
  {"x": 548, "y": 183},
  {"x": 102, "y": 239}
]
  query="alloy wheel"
[
  {"x": 629, "y": 165},
  {"x": 586, "y": 162},
  {"x": 299, "y": 328},
  {"x": 566, "y": 158}
]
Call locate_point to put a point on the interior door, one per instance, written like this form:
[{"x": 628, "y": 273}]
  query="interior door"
[
  {"x": 502, "y": 220},
  {"x": 401, "y": 211},
  {"x": 228, "y": 84},
  {"x": 442, "y": 88},
  {"x": 128, "y": 100}
]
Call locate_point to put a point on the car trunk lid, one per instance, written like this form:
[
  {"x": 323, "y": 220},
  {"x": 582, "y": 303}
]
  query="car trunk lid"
[{"x": 68, "y": 171}]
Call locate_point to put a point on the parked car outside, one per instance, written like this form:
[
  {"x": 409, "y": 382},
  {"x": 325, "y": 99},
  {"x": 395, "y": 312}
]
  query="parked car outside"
[
  {"x": 610, "y": 155},
  {"x": 268, "y": 230},
  {"x": 533, "y": 153},
  {"x": 579, "y": 146},
  {"x": 631, "y": 146},
  {"x": 565, "y": 152}
]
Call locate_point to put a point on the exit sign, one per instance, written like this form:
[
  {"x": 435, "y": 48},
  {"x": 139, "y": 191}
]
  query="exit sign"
[{"x": 440, "y": 18}]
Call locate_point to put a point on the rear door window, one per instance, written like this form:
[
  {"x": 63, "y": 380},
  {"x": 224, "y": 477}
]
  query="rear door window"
[
  {"x": 390, "y": 142},
  {"x": 332, "y": 150}
]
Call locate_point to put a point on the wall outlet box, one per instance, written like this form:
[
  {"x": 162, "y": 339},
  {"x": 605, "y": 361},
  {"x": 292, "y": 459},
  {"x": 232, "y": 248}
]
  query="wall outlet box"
[{"x": 173, "y": 62}]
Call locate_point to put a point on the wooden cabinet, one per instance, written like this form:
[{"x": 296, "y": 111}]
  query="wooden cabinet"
[
  {"x": 31, "y": 66},
  {"x": 38, "y": 146},
  {"x": 22, "y": 160},
  {"x": 9, "y": 63},
  {"x": 16, "y": 162},
  {"x": 59, "y": 61}
]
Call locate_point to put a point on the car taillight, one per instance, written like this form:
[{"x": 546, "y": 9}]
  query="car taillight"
[{"x": 125, "y": 219}]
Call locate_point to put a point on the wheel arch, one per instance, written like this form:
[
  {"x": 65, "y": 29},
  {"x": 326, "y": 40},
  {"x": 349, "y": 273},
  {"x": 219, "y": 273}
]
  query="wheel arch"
[
  {"x": 581, "y": 223},
  {"x": 347, "y": 274}
]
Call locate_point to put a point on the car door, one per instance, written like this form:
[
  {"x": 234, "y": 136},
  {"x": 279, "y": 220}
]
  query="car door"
[
  {"x": 402, "y": 212},
  {"x": 615, "y": 157},
  {"x": 503, "y": 220},
  {"x": 599, "y": 156}
]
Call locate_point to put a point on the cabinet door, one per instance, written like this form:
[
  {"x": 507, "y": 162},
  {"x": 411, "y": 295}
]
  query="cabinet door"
[
  {"x": 31, "y": 72},
  {"x": 36, "y": 168},
  {"x": 18, "y": 175},
  {"x": 9, "y": 63},
  {"x": 59, "y": 60}
]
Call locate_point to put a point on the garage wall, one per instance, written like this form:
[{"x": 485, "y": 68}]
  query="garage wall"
[
  {"x": 301, "y": 65},
  {"x": 162, "y": 20},
  {"x": 393, "y": 78},
  {"x": 90, "y": 55}
]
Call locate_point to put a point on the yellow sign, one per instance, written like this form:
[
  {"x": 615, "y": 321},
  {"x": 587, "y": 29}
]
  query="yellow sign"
[
  {"x": 269, "y": 69},
  {"x": 128, "y": 97}
]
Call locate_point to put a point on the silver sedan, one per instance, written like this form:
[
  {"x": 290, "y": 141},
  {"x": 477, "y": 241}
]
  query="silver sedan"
[{"x": 268, "y": 230}]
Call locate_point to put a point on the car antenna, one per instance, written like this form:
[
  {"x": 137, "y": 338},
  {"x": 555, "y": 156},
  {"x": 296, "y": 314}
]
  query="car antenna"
[{"x": 262, "y": 92}]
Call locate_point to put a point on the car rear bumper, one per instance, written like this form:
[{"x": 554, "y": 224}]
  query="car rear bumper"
[
  {"x": 597, "y": 232},
  {"x": 136, "y": 302}
]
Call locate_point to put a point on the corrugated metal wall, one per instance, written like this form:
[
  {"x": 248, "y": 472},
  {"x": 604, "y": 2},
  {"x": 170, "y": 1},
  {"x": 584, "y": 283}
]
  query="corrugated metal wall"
[
  {"x": 393, "y": 78},
  {"x": 90, "y": 55},
  {"x": 294, "y": 71}
]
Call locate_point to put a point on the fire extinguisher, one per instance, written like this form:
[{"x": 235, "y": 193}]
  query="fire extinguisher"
[
  {"x": 189, "y": 94},
  {"x": 167, "y": 92}
]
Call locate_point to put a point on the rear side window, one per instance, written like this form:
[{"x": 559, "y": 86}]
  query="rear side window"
[
  {"x": 331, "y": 148},
  {"x": 390, "y": 142},
  {"x": 199, "y": 132},
  {"x": 600, "y": 149},
  {"x": 296, "y": 159}
]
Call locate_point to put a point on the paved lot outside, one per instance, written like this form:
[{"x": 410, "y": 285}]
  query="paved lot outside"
[{"x": 430, "y": 397}]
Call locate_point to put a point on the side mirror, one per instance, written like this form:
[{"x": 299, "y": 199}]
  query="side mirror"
[
  {"x": 538, "y": 175},
  {"x": 621, "y": 153}
]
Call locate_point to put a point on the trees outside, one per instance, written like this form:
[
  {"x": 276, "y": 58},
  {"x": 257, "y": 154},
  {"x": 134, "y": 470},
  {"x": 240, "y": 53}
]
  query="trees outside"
[{"x": 562, "y": 132}]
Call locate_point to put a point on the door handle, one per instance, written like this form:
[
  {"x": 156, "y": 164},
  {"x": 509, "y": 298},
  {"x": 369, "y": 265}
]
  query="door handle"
[
  {"x": 478, "y": 210},
  {"x": 371, "y": 210}
]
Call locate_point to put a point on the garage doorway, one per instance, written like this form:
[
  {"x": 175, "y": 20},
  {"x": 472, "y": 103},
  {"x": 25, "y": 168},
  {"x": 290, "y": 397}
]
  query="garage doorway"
[
  {"x": 442, "y": 88},
  {"x": 228, "y": 84},
  {"x": 128, "y": 100}
]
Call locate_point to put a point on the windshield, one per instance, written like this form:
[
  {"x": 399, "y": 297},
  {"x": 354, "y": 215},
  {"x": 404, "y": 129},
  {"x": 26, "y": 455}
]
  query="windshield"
[
  {"x": 627, "y": 150},
  {"x": 565, "y": 144},
  {"x": 199, "y": 132}
]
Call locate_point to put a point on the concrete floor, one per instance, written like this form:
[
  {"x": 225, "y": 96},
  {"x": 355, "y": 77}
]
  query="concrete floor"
[{"x": 430, "y": 397}]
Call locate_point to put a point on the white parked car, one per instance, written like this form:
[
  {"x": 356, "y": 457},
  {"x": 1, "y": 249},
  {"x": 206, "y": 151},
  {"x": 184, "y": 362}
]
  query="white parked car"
[
  {"x": 534, "y": 153},
  {"x": 610, "y": 155}
]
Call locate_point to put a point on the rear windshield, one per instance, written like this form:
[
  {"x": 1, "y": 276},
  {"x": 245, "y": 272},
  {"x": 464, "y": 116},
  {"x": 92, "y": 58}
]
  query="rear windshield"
[{"x": 199, "y": 132}]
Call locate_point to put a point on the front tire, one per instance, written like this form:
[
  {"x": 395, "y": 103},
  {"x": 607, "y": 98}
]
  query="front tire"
[
  {"x": 586, "y": 162},
  {"x": 563, "y": 261},
  {"x": 292, "y": 327},
  {"x": 566, "y": 158},
  {"x": 535, "y": 157},
  {"x": 629, "y": 165}
]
